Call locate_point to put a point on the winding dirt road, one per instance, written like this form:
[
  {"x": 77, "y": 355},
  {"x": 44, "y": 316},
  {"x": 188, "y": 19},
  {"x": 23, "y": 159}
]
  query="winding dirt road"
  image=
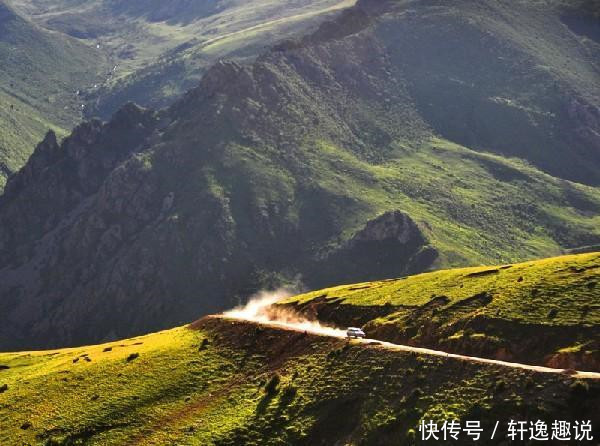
[{"x": 260, "y": 312}]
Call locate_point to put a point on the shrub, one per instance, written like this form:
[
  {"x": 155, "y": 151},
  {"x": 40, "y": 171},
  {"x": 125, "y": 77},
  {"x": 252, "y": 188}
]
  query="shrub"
[
  {"x": 415, "y": 394},
  {"x": 203, "y": 344},
  {"x": 500, "y": 386},
  {"x": 272, "y": 386},
  {"x": 579, "y": 388},
  {"x": 288, "y": 394}
]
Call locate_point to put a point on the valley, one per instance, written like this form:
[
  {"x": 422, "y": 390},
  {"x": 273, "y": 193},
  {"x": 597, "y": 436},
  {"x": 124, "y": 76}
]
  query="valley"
[
  {"x": 63, "y": 63},
  {"x": 40, "y": 75}
]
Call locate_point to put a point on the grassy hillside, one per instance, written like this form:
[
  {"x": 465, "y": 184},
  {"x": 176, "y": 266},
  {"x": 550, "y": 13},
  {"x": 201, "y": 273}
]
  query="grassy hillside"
[
  {"x": 544, "y": 311},
  {"x": 21, "y": 128},
  {"x": 474, "y": 208},
  {"x": 229, "y": 383},
  {"x": 40, "y": 74},
  {"x": 539, "y": 80}
]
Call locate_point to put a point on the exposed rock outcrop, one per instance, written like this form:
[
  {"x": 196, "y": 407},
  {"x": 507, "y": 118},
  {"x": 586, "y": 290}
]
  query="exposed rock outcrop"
[
  {"x": 393, "y": 226},
  {"x": 390, "y": 245}
]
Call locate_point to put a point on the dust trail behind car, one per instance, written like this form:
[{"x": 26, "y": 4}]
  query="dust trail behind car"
[{"x": 260, "y": 309}]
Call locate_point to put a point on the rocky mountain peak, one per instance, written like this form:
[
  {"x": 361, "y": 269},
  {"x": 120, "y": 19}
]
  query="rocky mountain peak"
[
  {"x": 130, "y": 113},
  {"x": 390, "y": 226},
  {"x": 225, "y": 78},
  {"x": 45, "y": 154}
]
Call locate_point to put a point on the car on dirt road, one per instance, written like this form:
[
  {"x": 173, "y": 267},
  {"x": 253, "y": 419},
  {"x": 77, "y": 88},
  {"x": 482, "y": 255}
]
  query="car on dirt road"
[{"x": 354, "y": 332}]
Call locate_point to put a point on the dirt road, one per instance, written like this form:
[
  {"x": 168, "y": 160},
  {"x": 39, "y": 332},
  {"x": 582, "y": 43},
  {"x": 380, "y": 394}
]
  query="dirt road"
[{"x": 318, "y": 329}]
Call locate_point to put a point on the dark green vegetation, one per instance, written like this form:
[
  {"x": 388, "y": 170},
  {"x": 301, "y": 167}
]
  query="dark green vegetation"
[
  {"x": 40, "y": 73},
  {"x": 508, "y": 77},
  {"x": 317, "y": 160},
  {"x": 542, "y": 312},
  {"x": 230, "y": 383}
]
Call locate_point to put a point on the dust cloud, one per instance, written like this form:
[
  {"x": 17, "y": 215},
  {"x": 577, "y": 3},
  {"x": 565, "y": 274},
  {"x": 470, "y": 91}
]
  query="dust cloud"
[{"x": 260, "y": 308}]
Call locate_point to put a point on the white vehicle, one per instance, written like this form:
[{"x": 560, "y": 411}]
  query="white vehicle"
[{"x": 354, "y": 332}]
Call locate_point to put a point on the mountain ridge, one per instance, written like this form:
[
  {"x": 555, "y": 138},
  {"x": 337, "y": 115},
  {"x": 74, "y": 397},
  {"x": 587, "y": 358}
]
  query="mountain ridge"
[
  {"x": 541, "y": 312},
  {"x": 262, "y": 175},
  {"x": 39, "y": 79}
]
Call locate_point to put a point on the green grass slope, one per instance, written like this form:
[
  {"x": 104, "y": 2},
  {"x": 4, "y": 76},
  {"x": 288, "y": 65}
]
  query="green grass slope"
[
  {"x": 506, "y": 77},
  {"x": 41, "y": 72},
  {"x": 474, "y": 208},
  {"x": 228, "y": 383},
  {"x": 543, "y": 312}
]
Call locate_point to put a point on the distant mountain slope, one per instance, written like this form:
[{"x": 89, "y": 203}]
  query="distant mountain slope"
[
  {"x": 161, "y": 49},
  {"x": 507, "y": 77},
  {"x": 541, "y": 312},
  {"x": 40, "y": 74},
  {"x": 90, "y": 58},
  {"x": 230, "y": 383}
]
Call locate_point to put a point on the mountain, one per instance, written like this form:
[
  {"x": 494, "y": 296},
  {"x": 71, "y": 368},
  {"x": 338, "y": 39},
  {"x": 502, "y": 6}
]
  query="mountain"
[
  {"x": 221, "y": 381},
  {"x": 40, "y": 74},
  {"x": 320, "y": 163},
  {"x": 66, "y": 60},
  {"x": 543, "y": 312},
  {"x": 159, "y": 50}
]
